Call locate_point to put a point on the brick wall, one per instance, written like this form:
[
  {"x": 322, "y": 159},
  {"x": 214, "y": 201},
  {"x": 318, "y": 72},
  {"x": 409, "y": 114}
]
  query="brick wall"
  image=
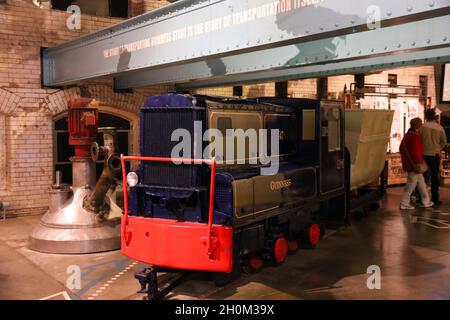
[
  {"x": 137, "y": 7},
  {"x": 259, "y": 90},
  {"x": 303, "y": 89},
  {"x": 405, "y": 76},
  {"x": 27, "y": 110},
  {"x": 248, "y": 91},
  {"x": 150, "y": 5},
  {"x": 219, "y": 91},
  {"x": 337, "y": 84},
  {"x": 307, "y": 88}
]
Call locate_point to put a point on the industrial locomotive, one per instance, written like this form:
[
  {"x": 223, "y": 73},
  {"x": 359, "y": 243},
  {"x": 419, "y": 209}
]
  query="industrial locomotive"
[{"x": 216, "y": 215}]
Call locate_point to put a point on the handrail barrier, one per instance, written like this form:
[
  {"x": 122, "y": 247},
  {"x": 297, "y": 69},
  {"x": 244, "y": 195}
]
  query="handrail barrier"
[{"x": 210, "y": 162}]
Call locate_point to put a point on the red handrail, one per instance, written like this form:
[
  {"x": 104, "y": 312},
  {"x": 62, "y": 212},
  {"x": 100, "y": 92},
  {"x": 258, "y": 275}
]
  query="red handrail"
[{"x": 211, "y": 163}]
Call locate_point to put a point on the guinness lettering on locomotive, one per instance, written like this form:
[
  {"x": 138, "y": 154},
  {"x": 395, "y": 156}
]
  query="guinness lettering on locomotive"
[
  {"x": 223, "y": 216},
  {"x": 275, "y": 185}
]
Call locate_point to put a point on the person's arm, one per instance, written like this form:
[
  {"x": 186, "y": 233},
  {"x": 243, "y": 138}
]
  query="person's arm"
[{"x": 443, "y": 139}]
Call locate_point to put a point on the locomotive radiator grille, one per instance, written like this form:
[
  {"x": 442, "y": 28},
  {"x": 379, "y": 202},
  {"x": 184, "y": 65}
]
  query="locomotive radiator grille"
[{"x": 157, "y": 128}]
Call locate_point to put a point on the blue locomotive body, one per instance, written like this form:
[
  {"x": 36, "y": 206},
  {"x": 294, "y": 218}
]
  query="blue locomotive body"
[{"x": 260, "y": 208}]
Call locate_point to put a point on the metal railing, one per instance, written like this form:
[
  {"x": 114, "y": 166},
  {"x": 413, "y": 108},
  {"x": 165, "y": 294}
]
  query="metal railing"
[{"x": 211, "y": 163}]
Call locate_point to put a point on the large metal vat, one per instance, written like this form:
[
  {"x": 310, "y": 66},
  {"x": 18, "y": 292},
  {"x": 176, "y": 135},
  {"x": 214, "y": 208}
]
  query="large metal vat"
[{"x": 367, "y": 134}]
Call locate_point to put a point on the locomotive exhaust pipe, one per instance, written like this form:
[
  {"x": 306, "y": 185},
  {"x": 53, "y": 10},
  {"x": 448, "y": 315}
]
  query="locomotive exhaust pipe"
[{"x": 95, "y": 202}]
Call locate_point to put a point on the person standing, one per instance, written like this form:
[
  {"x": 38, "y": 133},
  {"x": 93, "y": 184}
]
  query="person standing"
[
  {"x": 434, "y": 140},
  {"x": 411, "y": 150}
]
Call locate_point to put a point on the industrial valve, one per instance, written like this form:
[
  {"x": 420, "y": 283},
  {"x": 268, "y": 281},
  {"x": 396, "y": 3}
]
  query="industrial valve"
[{"x": 95, "y": 202}]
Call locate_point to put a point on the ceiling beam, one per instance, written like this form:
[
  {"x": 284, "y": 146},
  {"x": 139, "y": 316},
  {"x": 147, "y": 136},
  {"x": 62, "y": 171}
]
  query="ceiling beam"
[
  {"x": 424, "y": 34},
  {"x": 365, "y": 65},
  {"x": 196, "y": 30}
]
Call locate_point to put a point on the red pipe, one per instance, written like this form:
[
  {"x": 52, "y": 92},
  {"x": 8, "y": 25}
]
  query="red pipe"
[
  {"x": 125, "y": 198},
  {"x": 212, "y": 164}
]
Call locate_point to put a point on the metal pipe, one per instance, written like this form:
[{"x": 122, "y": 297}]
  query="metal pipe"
[
  {"x": 3, "y": 206},
  {"x": 58, "y": 179},
  {"x": 83, "y": 172},
  {"x": 95, "y": 202}
]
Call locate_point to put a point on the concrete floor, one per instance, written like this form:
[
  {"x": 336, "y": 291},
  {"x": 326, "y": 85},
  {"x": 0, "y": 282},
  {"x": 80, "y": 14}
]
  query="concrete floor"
[{"x": 411, "y": 248}]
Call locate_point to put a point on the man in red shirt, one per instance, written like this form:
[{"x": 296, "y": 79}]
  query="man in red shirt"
[{"x": 411, "y": 150}]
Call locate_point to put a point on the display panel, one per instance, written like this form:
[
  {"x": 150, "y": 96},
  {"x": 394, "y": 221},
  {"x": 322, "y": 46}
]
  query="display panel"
[{"x": 445, "y": 96}]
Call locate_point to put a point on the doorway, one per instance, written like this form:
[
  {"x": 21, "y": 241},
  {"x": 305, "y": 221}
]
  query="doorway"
[{"x": 62, "y": 151}]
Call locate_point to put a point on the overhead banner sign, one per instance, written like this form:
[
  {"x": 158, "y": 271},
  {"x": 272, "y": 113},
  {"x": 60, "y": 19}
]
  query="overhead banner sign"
[{"x": 192, "y": 30}]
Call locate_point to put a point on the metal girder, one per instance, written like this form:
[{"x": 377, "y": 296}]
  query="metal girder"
[
  {"x": 440, "y": 55},
  {"x": 193, "y": 30},
  {"x": 410, "y": 36}
]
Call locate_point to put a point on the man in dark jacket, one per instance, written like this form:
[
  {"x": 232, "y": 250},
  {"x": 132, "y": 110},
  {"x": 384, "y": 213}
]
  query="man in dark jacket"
[{"x": 411, "y": 150}]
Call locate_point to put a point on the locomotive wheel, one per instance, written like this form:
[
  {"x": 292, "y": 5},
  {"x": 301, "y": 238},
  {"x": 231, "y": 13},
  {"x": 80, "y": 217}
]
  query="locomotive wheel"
[
  {"x": 292, "y": 246},
  {"x": 280, "y": 249},
  {"x": 253, "y": 264},
  {"x": 310, "y": 238}
]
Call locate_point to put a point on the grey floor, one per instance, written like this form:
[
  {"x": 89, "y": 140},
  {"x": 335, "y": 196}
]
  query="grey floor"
[{"x": 411, "y": 248}]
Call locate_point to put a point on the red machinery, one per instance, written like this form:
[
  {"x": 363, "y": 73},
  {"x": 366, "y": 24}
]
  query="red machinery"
[
  {"x": 173, "y": 245},
  {"x": 208, "y": 247},
  {"x": 83, "y": 125}
]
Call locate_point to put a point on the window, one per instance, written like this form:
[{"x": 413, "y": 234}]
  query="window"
[
  {"x": 281, "y": 89},
  {"x": 103, "y": 8},
  {"x": 63, "y": 151},
  {"x": 223, "y": 124},
  {"x": 334, "y": 133},
  {"x": 309, "y": 125},
  {"x": 118, "y": 8},
  {"x": 286, "y": 124},
  {"x": 61, "y": 4},
  {"x": 392, "y": 80},
  {"x": 237, "y": 91},
  {"x": 245, "y": 145}
]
